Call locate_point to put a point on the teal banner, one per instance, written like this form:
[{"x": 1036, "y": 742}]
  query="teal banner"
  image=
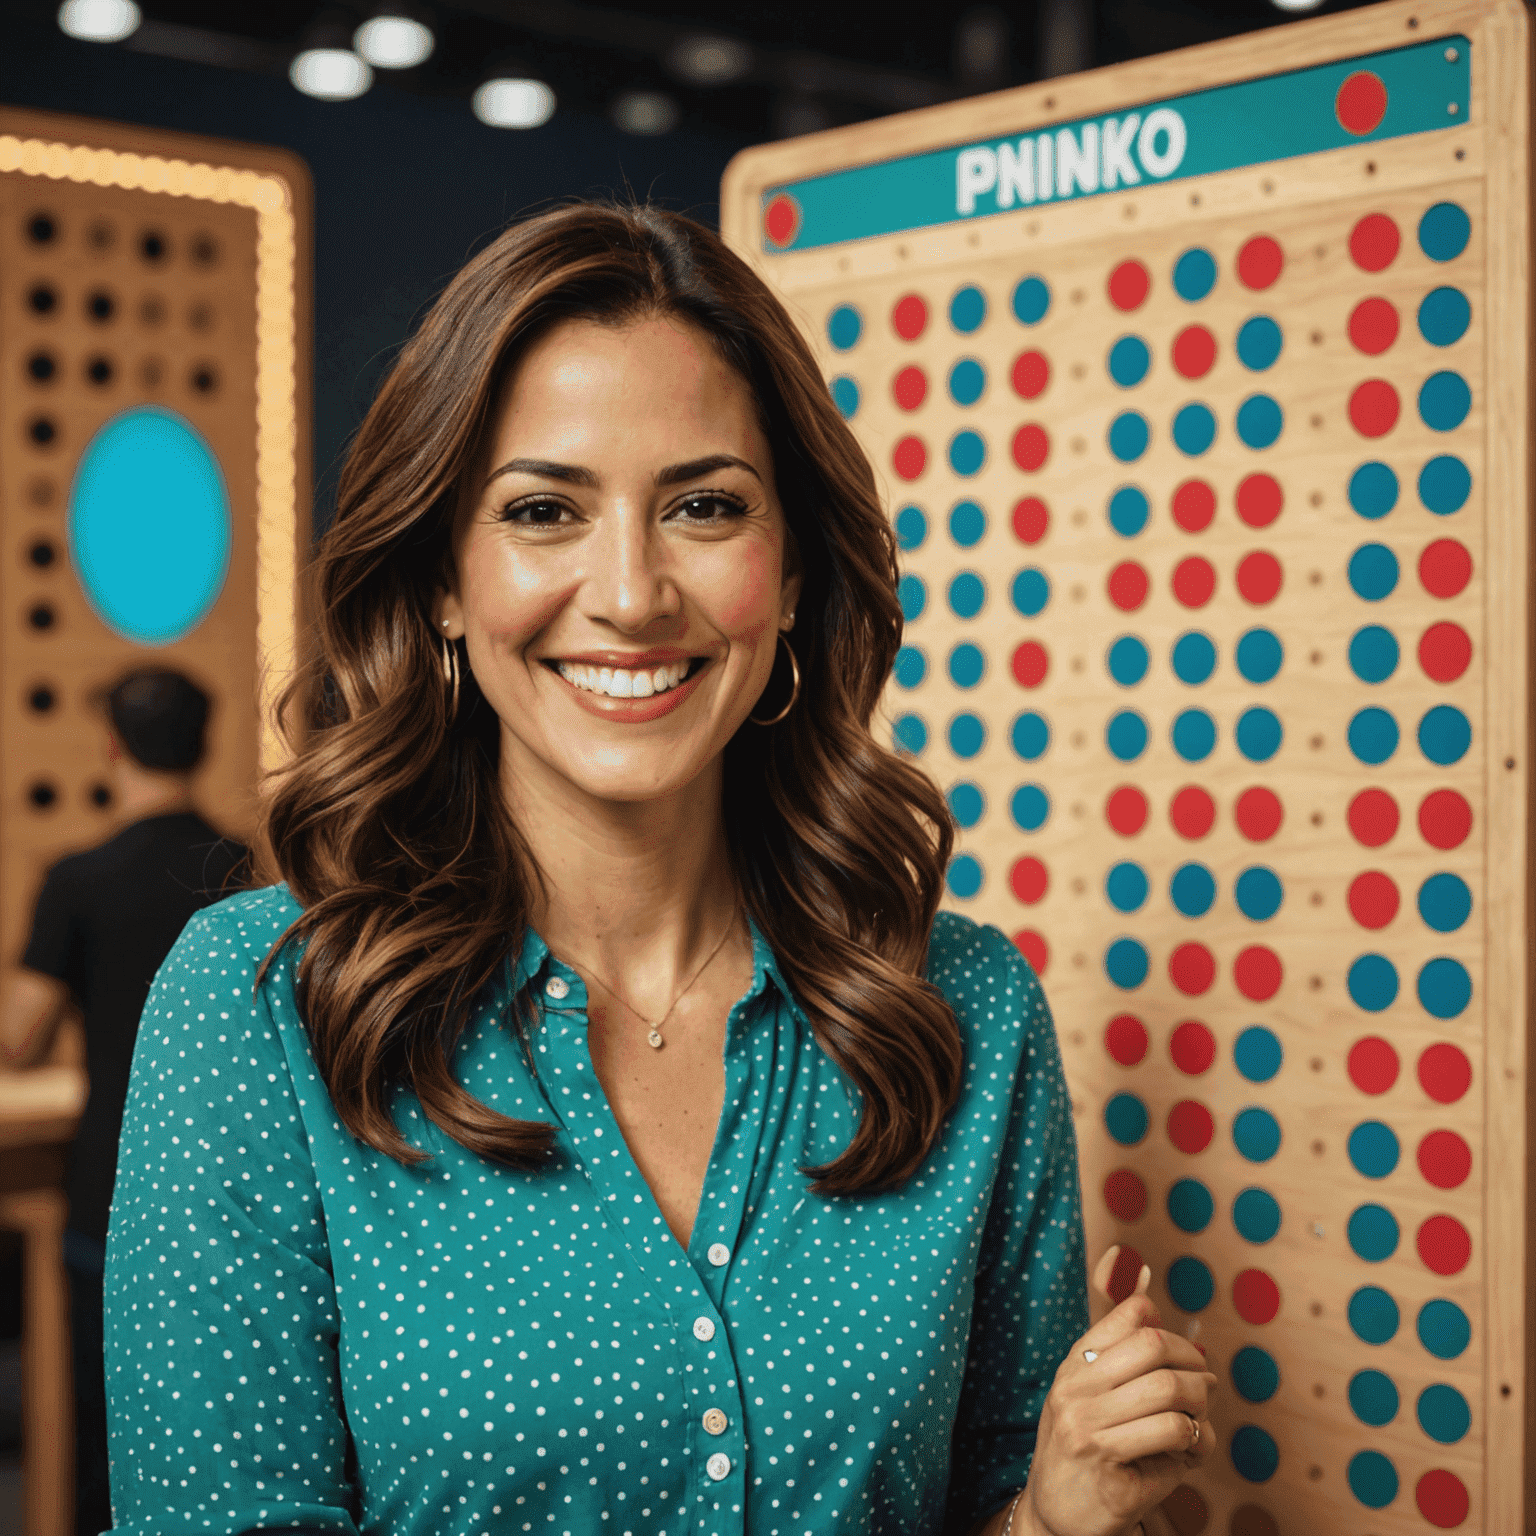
[{"x": 1353, "y": 101}]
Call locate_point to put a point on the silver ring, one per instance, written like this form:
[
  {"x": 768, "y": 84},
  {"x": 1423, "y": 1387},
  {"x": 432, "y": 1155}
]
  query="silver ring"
[
  {"x": 1194, "y": 1432},
  {"x": 1090, "y": 1355}
]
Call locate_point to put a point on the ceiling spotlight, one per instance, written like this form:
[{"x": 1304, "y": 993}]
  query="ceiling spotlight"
[
  {"x": 99, "y": 21},
  {"x": 645, "y": 112},
  {"x": 392, "y": 41},
  {"x": 332, "y": 74},
  {"x": 514, "y": 103},
  {"x": 710, "y": 60},
  {"x": 1295, "y": 5}
]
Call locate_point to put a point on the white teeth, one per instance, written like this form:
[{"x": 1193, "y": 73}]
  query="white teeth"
[{"x": 620, "y": 682}]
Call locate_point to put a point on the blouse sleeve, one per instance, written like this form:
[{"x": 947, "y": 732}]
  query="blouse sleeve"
[
  {"x": 1031, "y": 1297},
  {"x": 223, "y": 1383}
]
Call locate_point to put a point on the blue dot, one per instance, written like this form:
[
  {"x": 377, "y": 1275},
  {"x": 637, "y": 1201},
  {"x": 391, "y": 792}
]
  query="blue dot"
[
  {"x": 1373, "y": 490},
  {"x": 967, "y": 735},
  {"x": 1259, "y": 421},
  {"x": 1255, "y": 1374},
  {"x": 1194, "y": 735},
  {"x": 1259, "y": 734},
  {"x": 1444, "y": 735},
  {"x": 1190, "y": 1206},
  {"x": 1128, "y": 661},
  {"x": 1125, "y": 963},
  {"x": 1445, "y": 902},
  {"x": 1259, "y": 343},
  {"x": 1129, "y": 436},
  {"x": 1373, "y": 1149},
  {"x": 1029, "y": 807},
  {"x": 1256, "y": 1134},
  {"x": 1444, "y": 484},
  {"x": 968, "y": 309},
  {"x": 911, "y": 667},
  {"x": 967, "y": 380},
  {"x": 1129, "y": 360},
  {"x": 1256, "y": 1215},
  {"x": 1444, "y": 401},
  {"x": 967, "y": 523},
  {"x": 1254, "y": 1453},
  {"x": 1192, "y": 890},
  {"x": 1373, "y": 572},
  {"x": 1444, "y": 231},
  {"x": 844, "y": 327},
  {"x": 967, "y": 593},
  {"x": 1125, "y": 1118},
  {"x": 1372, "y": 1232},
  {"x": 1194, "y": 274},
  {"x": 1190, "y": 1284},
  {"x": 1445, "y": 988},
  {"x": 911, "y": 528},
  {"x": 1126, "y": 887},
  {"x": 1373, "y": 1397},
  {"x": 966, "y": 665},
  {"x": 1374, "y": 654},
  {"x": 1259, "y": 655},
  {"x": 845, "y": 396},
  {"x": 1373, "y": 735},
  {"x": 911, "y": 733},
  {"x": 1194, "y": 429},
  {"x": 1373, "y": 983},
  {"x": 1031, "y": 735},
  {"x": 967, "y": 452},
  {"x": 1259, "y": 893},
  {"x": 964, "y": 876},
  {"x": 1372, "y": 1479},
  {"x": 1194, "y": 657},
  {"x": 1257, "y": 1053},
  {"x": 1126, "y": 736},
  {"x": 1031, "y": 591},
  {"x": 1444, "y": 1414},
  {"x": 1373, "y": 1315},
  {"x": 1031, "y": 301},
  {"x": 914, "y": 596},
  {"x": 1128, "y": 511},
  {"x": 1443, "y": 1329},
  {"x": 1444, "y": 316}
]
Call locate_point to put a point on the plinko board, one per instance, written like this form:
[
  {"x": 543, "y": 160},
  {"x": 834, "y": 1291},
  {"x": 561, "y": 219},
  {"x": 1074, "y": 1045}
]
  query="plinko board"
[{"x": 1198, "y": 388}]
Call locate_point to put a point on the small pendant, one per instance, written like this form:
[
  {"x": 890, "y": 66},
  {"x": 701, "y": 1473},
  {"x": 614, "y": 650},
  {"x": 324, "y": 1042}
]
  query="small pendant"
[{"x": 655, "y": 1039}]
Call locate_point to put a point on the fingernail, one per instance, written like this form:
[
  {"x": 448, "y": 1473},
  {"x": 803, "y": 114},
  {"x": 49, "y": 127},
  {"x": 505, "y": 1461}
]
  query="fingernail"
[{"x": 1144, "y": 1280}]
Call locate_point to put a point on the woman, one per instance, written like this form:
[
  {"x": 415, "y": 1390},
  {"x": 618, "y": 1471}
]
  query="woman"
[{"x": 599, "y": 1130}]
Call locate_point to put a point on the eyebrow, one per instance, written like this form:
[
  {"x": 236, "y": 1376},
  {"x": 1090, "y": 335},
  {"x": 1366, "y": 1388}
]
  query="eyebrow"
[{"x": 577, "y": 474}]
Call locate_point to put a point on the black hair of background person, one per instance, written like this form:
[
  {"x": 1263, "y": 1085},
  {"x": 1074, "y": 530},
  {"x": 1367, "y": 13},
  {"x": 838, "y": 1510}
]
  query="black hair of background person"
[{"x": 405, "y": 187}]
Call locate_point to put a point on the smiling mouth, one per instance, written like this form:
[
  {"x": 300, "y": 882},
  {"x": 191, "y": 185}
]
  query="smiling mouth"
[{"x": 626, "y": 682}]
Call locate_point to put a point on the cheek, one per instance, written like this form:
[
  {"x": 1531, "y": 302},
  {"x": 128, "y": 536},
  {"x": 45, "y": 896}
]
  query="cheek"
[
  {"x": 506, "y": 596},
  {"x": 743, "y": 594}
]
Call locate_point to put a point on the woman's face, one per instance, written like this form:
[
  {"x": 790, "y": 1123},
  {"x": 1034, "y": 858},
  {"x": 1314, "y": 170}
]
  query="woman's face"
[{"x": 621, "y": 564}]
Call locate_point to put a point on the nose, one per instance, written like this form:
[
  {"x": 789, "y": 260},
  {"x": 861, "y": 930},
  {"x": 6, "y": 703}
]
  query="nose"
[{"x": 629, "y": 582}]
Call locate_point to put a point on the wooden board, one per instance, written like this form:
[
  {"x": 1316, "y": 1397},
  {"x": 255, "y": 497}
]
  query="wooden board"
[{"x": 1199, "y": 390}]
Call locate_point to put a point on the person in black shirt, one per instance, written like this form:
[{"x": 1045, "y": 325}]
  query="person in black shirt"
[{"x": 105, "y": 921}]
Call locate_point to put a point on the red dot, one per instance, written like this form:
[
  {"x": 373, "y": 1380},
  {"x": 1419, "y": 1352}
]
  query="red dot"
[
  {"x": 1442, "y": 1498},
  {"x": 1361, "y": 103},
  {"x": 1194, "y": 505},
  {"x": 1373, "y": 899},
  {"x": 1445, "y": 1159},
  {"x": 1125, "y": 1195},
  {"x": 1034, "y": 949},
  {"x": 1258, "y": 814},
  {"x": 1445, "y": 819},
  {"x": 910, "y": 458},
  {"x": 1258, "y": 973},
  {"x": 1194, "y": 580},
  {"x": 1445, "y": 1245},
  {"x": 909, "y": 317},
  {"x": 1126, "y": 810},
  {"x": 1259, "y": 500},
  {"x": 1030, "y": 520},
  {"x": 1445, "y": 652},
  {"x": 910, "y": 388},
  {"x": 1194, "y": 352},
  {"x": 1373, "y": 1064},
  {"x": 1190, "y": 1126},
  {"x": 1374, "y": 408},
  {"x": 1031, "y": 446},
  {"x": 1030, "y": 879},
  {"x": 1030, "y": 664},
  {"x": 1031, "y": 373},
  {"x": 1128, "y": 586},
  {"x": 1373, "y": 817},
  {"x": 1192, "y": 969},
  {"x": 1193, "y": 812},
  {"x": 1125, "y": 1273},
  {"x": 1255, "y": 1296},
  {"x": 1374, "y": 242},
  {"x": 1125, "y": 1038},
  {"x": 1128, "y": 285},
  {"x": 1445, "y": 568},
  {"x": 1259, "y": 577},
  {"x": 781, "y": 219},
  {"x": 1373, "y": 326},
  {"x": 1193, "y": 1047},
  {"x": 1444, "y": 1072},
  {"x": 1259, "y": 262}
]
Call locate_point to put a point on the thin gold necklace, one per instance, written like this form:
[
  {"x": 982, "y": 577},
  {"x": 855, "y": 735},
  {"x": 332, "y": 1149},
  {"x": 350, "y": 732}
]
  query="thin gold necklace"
[{"x": 653, "y": 1039}]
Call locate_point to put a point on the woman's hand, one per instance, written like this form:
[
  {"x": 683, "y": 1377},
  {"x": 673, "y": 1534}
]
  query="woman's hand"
[{"x": 1120, "y": 1431}]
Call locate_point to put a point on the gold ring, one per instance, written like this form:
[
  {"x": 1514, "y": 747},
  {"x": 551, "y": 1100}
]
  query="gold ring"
[{"x": 1194, "y": 1432}]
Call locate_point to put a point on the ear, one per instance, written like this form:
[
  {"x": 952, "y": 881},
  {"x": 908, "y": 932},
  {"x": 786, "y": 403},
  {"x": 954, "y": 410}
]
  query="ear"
[
  {"x": 448, "y": 614},
  {"x": 793, "y": 581}
]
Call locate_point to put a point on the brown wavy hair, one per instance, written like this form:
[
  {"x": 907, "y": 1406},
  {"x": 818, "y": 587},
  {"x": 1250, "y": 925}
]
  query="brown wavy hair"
[{"x": 388, "y": 822}]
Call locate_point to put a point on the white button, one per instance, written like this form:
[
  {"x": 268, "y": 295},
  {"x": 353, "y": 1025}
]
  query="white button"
[
  {"x": 719, "y": 1254},
  {"x": 718, "y": 1466},
  {"x": 715, "y": 1421},
  {"x": 557, "y": 987},
  {"x": 703, "y": 1329}
]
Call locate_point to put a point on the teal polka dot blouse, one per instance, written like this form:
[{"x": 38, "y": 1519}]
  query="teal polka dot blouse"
[{"x": 304, "y": 1335}]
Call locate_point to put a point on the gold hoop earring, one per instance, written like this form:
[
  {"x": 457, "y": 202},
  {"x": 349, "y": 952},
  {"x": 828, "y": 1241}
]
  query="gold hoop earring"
[
  {"x": 794, "y": 692},
  {"x": 451, "y": 677}
]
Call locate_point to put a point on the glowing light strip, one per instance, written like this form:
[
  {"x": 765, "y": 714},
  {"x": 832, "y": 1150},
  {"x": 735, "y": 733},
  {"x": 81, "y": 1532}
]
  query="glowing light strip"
[{"x": 270, "y": 198}]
